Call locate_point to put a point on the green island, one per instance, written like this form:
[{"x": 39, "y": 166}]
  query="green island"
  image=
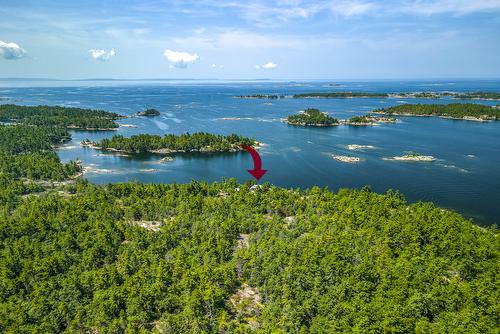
[
  {"x": 261, "y": 96},
  {"x": 72, "y": 118},
  {"x": 196, "y": 142},
  {"x": 479, "y": 96},
  {"x": 312, "y": 117},
  {"x": 340, "y": 95},
  {"x": 360, "y": 120},
  {"x": 149, "y": 112},
  {"x": 414, "y": 95},
  {"x": 369, "y": 119},
  {"x": 466, "y": 111},
  {"x": 228, "y": 257},
  {"x": 422, "y": 95}
]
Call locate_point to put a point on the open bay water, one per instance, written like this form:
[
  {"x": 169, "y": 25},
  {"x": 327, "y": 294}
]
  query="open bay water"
[{"x": 465, "y": 178}]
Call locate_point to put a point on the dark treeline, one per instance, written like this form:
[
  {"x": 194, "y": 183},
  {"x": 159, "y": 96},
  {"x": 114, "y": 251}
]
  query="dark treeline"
[
  {"x": 59, "y": 116},
  {"x": 28, "y": 152},
  {"x": 185, "y": 142},
  {"x": 455, "y": 110},
  {"x": 225, "y": 261},
  {"x": 479, "y": 95},
  {"x": 261, "y": 96},
  {"x": 312, "y": 117},
  {"x": 421, "y": 95},
  {"x": 340, "y": 95},
  {"x": 16, "y": 139},
  {"x": 149, "y": 112},
  {"x": 360, "y": 119}
]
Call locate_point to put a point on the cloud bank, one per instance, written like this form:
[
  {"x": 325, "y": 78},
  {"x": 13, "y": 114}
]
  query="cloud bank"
[
  {"x": 102, "y": 55},
  {"x": 269, "y": 65},
  {"x": 180, "y": 59},
  {"x": 11, "y": 51}
]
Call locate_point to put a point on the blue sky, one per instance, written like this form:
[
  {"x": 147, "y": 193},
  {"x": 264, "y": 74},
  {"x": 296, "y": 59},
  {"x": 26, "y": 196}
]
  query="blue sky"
[{"x": 288, "y": 39}]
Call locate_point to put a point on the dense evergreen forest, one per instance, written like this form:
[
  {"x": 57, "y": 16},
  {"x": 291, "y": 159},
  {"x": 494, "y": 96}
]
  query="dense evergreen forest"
[
  {"x": 199, "y": 142},
  {"x": 220, "y": 257},
  {"x": 479, "y": 96},
  {"x": 76, "y": 118},
  {"x": 229, "y": 258},
  {"x": 27, "y": 152},
  {"x": 454, "y": 110},
  {"x": 360, "y": 120},
  {"x": 312, "y": 117}
]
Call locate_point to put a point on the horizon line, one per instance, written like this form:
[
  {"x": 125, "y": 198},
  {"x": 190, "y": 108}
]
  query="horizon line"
[{"x": 244, "y": 79}]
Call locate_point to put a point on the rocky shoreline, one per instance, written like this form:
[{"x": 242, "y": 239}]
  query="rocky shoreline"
[
  {"x": 355, "y": 147},
  {"x": 412, "y": 158},
  {"x": 166, "y": 151},
  {"x": 345, "y": 158},
  {"x": 74, "y": 127},
  {"x": 464, "y": 118}
]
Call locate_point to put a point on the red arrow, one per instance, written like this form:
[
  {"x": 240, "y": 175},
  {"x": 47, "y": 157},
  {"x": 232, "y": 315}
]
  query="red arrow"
[{"x": 257, "y": 170}]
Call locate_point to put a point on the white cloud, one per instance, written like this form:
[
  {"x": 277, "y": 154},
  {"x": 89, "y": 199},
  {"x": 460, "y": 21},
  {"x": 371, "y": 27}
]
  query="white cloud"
[
  {"x": 216, "y": 66},
  {"x": 11, "y": 51},
  {"x": 269, "y": 65},
  {"x": 102, "y": 55},
  {"x": 180, "y": 59}
]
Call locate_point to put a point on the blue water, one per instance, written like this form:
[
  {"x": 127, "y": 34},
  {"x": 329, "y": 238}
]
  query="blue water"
[{"x": 465, "y": 177}]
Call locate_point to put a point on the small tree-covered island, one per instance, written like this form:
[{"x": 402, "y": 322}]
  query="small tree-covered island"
[
  {"x": 312, "y": 117},
  {"x": 149, "y": 113},
  {"x": 71, "y": 118},
  {"x": 465, "y": 111},
  {"x": 369, "y": 119},
  {"x": 196, "y": 142},
  {"x": 315, "y": 117}
]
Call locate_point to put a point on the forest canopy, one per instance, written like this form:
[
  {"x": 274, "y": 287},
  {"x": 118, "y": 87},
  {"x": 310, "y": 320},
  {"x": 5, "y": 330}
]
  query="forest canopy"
[
  {"x": 222, "y": 257},
  {"x": 454, "y": 110},
  {"x": 312, "y": 117},
  {"x": 200, "y": 141},
  {"x": 77, "y": 118}
]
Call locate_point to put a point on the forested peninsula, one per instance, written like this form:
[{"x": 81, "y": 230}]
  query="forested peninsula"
[
  {"x": 72, "y": 118},
  {"x": 465, "y": 111},
  {"x": 196, "y": 142}
]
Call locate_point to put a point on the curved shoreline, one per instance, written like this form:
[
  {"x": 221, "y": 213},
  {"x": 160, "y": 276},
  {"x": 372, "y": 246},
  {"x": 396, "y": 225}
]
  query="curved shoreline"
[
  {"x": 167, "y": 151},
  {"x": 411, "y": 158}
]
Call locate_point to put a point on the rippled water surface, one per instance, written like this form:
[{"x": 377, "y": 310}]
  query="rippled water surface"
[{"x": 466, "y": 176}]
